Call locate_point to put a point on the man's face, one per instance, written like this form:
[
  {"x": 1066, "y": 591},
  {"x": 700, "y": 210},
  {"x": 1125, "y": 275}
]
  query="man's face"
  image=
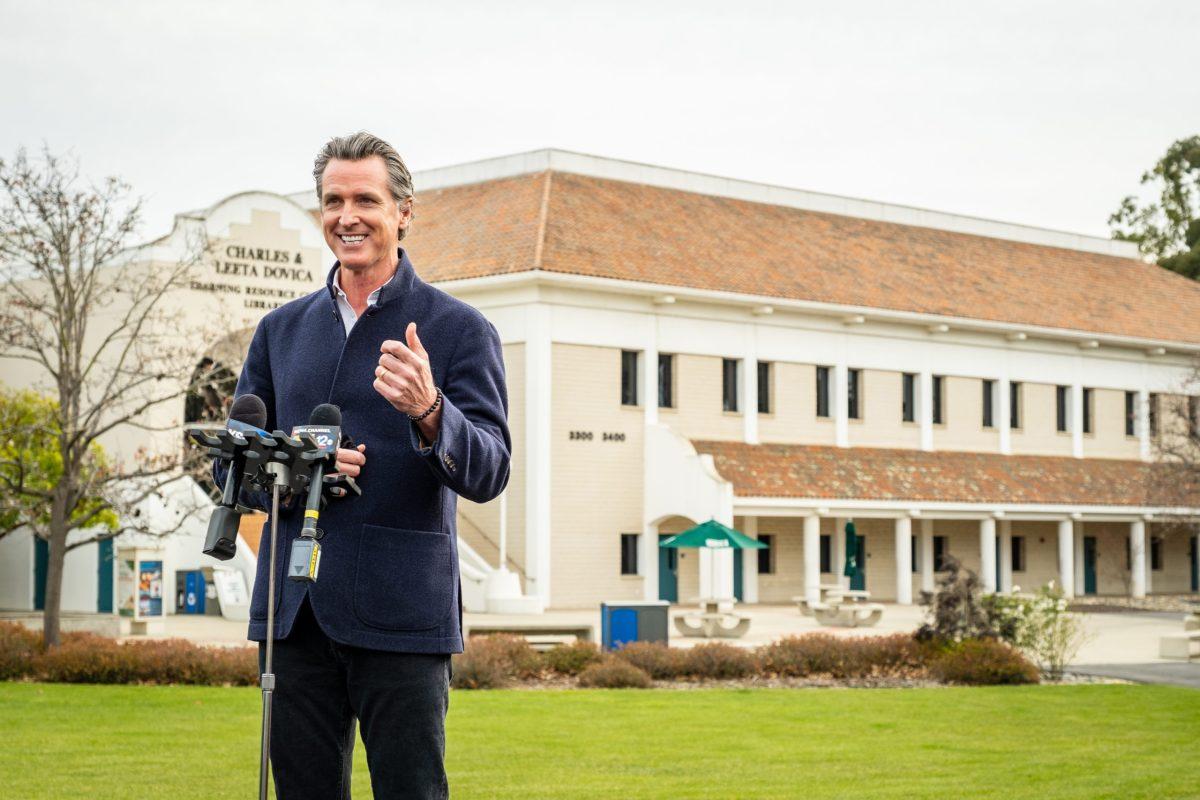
[{"x": 360, "y": 217}]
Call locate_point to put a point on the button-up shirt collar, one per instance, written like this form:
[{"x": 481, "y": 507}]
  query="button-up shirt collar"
[{"x": 343, "y": 302}]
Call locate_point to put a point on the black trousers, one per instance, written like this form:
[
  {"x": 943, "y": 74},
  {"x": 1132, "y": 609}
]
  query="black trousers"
[{"x": 322, "y": 687}]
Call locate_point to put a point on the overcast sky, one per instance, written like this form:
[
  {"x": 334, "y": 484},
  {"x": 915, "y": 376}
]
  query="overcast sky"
[{"x": 1044, "y": 113}]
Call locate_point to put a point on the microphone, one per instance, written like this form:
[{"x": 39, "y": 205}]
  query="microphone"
[
  {"x": 247, "y": 415},
  {"x": 325, "y": 428}
]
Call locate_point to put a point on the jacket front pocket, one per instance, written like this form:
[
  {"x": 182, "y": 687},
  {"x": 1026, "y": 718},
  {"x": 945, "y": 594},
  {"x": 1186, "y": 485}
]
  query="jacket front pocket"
[{"x": 404, "y": 579}]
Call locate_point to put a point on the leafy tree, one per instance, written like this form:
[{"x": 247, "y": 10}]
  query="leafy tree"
[
  {"x": 94, "y": 320},
  {"x": 1167, "y": 229}
]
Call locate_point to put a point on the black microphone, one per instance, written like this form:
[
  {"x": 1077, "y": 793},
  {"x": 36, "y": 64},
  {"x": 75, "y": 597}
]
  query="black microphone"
[
  {"x": 248, "y": 414},
  {"x": 324, "y": 426}
]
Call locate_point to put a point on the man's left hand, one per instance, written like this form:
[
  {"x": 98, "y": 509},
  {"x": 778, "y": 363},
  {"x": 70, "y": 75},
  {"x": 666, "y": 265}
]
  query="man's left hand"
[{"x": 404, "y": 379}]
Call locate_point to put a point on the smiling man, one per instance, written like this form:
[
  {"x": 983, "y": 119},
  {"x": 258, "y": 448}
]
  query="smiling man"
[{"x": 419, "y": 378}]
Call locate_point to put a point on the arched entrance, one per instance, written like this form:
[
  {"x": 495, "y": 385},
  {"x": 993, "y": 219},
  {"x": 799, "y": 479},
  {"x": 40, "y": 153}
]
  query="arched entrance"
[{"x": 210, "y": 394}]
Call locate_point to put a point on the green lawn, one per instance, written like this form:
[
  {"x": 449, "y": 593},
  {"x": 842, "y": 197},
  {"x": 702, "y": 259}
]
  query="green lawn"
[{"x": 1038, "y": 742}]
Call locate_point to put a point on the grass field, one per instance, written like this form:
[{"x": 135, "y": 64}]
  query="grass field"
[{"x": 62, "y": 741}]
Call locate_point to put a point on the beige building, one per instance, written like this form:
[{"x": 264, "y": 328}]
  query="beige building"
[{"x": 681, "y": 347}]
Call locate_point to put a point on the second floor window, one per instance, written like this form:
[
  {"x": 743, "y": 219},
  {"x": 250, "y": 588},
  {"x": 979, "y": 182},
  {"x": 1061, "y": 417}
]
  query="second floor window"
[
  {"x": 1060, "y": 408},
  {"x": 764, "y": 387},
  {"x": 1130, "y": 413},
  {"x": 989, "y": 391},
  {"x": 1014, "y": 405},
  {"x": 853, "y": 381},
  {"x": 629, "y": 388},
  {"x": 938, "y": 393},
  {"x": 729, "y": 384},
  {"x": 1153, "y": 414},
  {"x": 666, "y": 380},
  {"x": 822, "y": 391},
  {"x": 908, "y": 405},
  {"x": 1087, "y": 410},
  {"x": 1193, "y": 412}
]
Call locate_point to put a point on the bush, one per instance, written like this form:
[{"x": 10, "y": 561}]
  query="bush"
[
  {"x": 571, "y": 659},
  {"x": 660, "y": 662},
  {"x": 614, "y": 673},
  {"x": 1041, "y": 626},
  {"x": 719, "y": 661},
  {"x": 492, "y": 661},
  {"x": 983, "y": 662},
  {"x": 18, "y": 648},
  {"x": 957, "y": 610},
  {"x": 87, "y": 658},
  {"x": 842, "y": 657}
]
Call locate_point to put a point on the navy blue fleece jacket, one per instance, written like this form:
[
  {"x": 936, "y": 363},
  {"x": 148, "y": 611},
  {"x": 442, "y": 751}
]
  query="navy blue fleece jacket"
[{"x": 389, "y": 576}]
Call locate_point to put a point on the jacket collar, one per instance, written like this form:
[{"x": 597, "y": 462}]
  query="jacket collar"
[{"x": 399, "y": 284}]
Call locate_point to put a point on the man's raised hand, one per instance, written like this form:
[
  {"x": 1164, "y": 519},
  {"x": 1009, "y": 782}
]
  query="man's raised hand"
[{"x": 403, "y": 376}]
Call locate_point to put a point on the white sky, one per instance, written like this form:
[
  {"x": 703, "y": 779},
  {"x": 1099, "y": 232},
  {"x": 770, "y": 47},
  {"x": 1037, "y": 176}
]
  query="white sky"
[{"x": 1038, "y": 112}]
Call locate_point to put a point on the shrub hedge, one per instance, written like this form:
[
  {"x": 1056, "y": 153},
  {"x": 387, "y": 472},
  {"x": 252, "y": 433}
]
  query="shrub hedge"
[{"x": 496, "y": 661}]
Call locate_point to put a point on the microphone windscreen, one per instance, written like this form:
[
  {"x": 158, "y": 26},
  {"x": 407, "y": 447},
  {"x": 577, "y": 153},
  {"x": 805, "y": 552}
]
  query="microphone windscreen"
[
  {"x": 326, "y": 414},
  {"x": 249, "y": 408}
]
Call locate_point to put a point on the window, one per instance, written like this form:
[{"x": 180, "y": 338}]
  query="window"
[
  {"x": 1087, "y": 410},
  {"x": 908, "y": 406},
  {"x": 766, "y": 556},
  {"x": 629, "y": 387},
  {"x": 989, "y": 391},
  {"x": 666, "y": 380},
  {"x": 729, "y": 384},
  {"x": 1193, "y": 412},
  {"x": 1130, "y": 413},
  {"x": 1153, "y": 414},
  {"x": 1060, "y": 407},
  {"x": 1156, "y": 553},
  {"x": 629, "y": 554},
  {"x": 826, "y": 553},
  {"x": 853, "y": 380},
  {"x": 822, "y": 391},
  {"x": 938, "y": 381},
  {"x": 764, "y": 387},
  {"x": 1014, "y": 405},
  {"x": 940, "y": 551},
  {"x": 915, "y": 557},
  {"x": 1018, "y": 554}
]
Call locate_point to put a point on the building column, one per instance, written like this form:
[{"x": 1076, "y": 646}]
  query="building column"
[
  {"x": 904, "y": 560},
  {"x": 839, "y": 552},
  {"x": 1143, "y": 423},
  {"x": 925, "y": 408},
  {"x": 1006, "y": 545},
  {"x": 1137, "y": 558},
  {"x": 841, "y": 412},
  {"x": 1076, "y": 420},
  {"x": 750, "y": 563},
  {"x": 1002, "y": 424},
  {"x": 927, "y": 555},
  {"x": 987, "y": 553},
  {"x": 812, "y": 558},
  {"x": 750, "y": 388},
  {"x": 1066, "y": 556},
  {"x": 538, "y": 353},
  {"x": 649, "y": 377}
]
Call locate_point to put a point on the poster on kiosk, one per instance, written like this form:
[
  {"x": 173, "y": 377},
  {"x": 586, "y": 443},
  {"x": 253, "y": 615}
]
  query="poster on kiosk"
[{"x": 140, "y": 589}]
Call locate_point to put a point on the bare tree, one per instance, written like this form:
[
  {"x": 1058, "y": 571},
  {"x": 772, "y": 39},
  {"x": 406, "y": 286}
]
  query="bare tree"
[
  {"x": 104, "y": 332},
  {"x": 1175, "y": 430}
]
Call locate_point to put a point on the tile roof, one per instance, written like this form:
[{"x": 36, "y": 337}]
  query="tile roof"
[
  {"x": 809, "y": 471},
  {"x": 580, "y": 225}
]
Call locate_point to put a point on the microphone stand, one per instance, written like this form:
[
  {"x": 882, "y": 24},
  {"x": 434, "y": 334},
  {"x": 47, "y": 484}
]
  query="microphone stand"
[{"x": 281, "y": 478}]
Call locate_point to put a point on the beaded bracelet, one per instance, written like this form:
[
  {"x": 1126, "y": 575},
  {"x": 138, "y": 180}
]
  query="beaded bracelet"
[{"x": 430, "y": 410}]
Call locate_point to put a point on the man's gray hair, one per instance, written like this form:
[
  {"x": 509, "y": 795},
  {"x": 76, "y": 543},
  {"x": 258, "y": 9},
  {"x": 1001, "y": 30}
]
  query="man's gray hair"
[{"x": 358, "y": 146}]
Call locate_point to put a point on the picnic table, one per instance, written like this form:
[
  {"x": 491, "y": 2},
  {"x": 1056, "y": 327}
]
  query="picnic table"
[
  {"x": 711, "y": 622},
  {"x": 843, "y": 608}
]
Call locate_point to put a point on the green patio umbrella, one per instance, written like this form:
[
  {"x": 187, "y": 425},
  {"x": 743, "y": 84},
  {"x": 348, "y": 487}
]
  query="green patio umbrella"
[
  {"x": 852, "y": 568},
  {"x": 712, "y": 534}
]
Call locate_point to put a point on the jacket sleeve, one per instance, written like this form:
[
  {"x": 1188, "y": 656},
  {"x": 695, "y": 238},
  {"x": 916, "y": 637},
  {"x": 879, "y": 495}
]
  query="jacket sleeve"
[
  {"x": 473, "y": 448},
  {"x": 255, "y": 379}
]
